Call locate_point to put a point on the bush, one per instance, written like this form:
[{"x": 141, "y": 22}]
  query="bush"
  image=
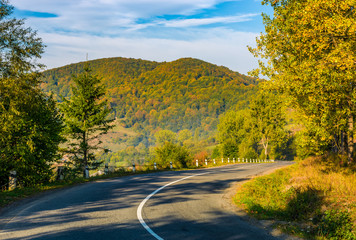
[
  {"x": 216, "y": 152},
  {"x": 170, "y": 152},
  {"x": 246, "y": 150},
  {"x": 337, "y": 225},
  {"x": 266, "y": 196},
  {"x": 201, "y": 156}
]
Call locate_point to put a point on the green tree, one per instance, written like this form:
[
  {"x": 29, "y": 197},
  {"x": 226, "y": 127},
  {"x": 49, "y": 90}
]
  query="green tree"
[
  {"x": 163, "y": 136},
  {"x": 19, "y": 46},
  {"x": 30, "y": 124},
  {"x": 310, "y": 48},
  {"x": 184, "y": 135},
  {"x": 233, "y": 131},
  {"x": 85, "y": 117},
  {"x": 268, "y": 122},
  {"x": 244, "y": 133},
  {"x": 29, "y": 134}
]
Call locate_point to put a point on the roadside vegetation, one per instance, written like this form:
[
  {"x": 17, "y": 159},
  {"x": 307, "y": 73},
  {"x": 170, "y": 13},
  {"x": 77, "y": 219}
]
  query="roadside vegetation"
[
  {"x": 310, "y": 59},
  {"x": 313, "y": 199}
]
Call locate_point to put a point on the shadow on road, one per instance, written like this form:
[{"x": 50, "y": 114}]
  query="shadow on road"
[{"x": 107, "y": 210}]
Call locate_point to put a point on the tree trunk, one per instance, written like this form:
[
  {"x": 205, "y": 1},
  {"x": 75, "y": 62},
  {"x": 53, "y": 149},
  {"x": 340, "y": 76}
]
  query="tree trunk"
[
  {"x": 350, "y": 139},
  {"x": 343, "y": 142},
  {"x": 266, "y": 149},
  {"x": 265, "y": 145},
  {"x": 337, "y": 145},
  {"x": 85, "y": 160}
]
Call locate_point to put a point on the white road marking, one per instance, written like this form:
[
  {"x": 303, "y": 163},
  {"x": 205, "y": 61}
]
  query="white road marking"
[{"x": 140, "y": 207}]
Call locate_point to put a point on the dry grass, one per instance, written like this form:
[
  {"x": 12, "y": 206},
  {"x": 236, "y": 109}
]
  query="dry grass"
[
  {"x": 314, "y": 189},
  {"x": 336, "y": 184}
]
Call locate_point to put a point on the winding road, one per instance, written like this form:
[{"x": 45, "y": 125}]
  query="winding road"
[{"x": 180, "y": 205}]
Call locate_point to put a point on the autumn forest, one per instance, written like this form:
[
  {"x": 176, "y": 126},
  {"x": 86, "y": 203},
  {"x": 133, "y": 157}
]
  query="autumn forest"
[{"x": 147, "y": 97}]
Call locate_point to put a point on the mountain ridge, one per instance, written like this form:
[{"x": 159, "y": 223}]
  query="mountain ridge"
[{"x": 187, "y": 93}]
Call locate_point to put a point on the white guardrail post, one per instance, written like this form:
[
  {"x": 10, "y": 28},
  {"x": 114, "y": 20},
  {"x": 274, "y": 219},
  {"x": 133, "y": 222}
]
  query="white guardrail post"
[
  {"x": 13, "y": 180},
  {"x": 106, "y": 169},
  {"x": 86, "y": 172},
  {"x": 60, "y": 173}
]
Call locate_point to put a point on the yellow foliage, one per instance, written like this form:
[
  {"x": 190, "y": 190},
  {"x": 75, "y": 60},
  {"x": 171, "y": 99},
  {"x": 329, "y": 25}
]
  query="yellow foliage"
[{"x": 337, "y": 184}]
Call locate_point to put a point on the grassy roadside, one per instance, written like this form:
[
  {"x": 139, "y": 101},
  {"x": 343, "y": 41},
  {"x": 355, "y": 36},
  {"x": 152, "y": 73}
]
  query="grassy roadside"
[{"x": 314, "y": 199}]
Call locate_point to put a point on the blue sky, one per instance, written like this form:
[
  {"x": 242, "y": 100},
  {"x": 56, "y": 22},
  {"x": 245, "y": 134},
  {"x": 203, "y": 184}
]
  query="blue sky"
[{"x": 216, "y": 31}]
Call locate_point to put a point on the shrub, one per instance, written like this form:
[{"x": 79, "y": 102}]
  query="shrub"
[
  {"x": 266, "y": 196},
  {"x": 201, "y": 156},
  {"x": 170, "y": 152},
  {"x": 216, "y": 152},
  {"x": 337, "y": 225}
]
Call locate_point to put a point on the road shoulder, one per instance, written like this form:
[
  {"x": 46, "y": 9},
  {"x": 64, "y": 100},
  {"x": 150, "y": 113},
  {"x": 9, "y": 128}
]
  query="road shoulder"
[{"x": 228, "y": 204}]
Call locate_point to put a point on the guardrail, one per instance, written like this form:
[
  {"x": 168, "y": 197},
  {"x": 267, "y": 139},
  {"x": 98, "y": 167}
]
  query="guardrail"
[
  {"x": 134, "y": 167},
  {"x": 196, "y": 163},
  {"x": 228, "y": 161}
]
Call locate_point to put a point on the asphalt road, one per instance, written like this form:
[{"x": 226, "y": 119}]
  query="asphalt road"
[{"x": 166, "y": 205}]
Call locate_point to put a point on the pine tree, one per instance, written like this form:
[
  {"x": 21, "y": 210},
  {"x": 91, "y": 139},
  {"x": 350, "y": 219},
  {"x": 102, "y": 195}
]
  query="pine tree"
[{"x": 85, "y": 116}]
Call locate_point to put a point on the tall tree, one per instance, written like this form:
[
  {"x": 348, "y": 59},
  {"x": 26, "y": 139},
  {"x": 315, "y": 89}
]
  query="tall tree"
[
  {"x": 244, "y": 133},
  {"x": 268, "y": 121},
  {"x": 233, "y": 130},
  {"x": 310, "y": 47},
  {"x": 85, "y": 116},
  {"x": 30, "y": 124}
]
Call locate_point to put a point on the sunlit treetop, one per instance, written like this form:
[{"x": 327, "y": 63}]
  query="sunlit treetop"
[
  {"x": 19, "y": 46},
  {"x": 309, "y": 49}
]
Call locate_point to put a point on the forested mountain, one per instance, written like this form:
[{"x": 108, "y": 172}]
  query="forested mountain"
[{"x": 148, "y": 96}]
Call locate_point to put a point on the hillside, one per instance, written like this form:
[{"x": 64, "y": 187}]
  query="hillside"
[{"x": 147, "y": 96}]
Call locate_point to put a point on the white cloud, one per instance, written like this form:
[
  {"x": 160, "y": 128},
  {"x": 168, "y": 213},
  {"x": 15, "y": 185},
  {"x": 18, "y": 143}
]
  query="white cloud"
[
  {"x": 206, "y": 21},
  {"x": 95, "y": 15},
  {"x": 112, "y": 28},
  {"x": 221, "y": 47},
  {"x": 137, "y": 8}
]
